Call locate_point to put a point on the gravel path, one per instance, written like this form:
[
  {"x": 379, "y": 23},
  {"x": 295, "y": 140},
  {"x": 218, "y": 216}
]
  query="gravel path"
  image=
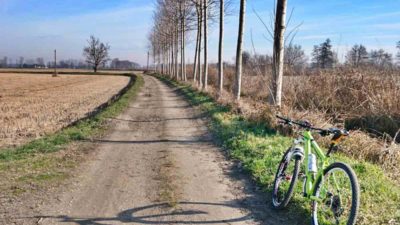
[{"x": 158, "y": 165}]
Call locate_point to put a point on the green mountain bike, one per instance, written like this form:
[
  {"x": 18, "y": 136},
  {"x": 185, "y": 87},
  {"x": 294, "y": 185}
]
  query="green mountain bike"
[{"x": 332, "y": 188}]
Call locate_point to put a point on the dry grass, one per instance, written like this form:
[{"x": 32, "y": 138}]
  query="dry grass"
[
  {"x": 346, "y": 91},
  {"x": 34, "y": 105},
  {"x": 366, "y": 99},
  {"x": 50, "y": 70}
]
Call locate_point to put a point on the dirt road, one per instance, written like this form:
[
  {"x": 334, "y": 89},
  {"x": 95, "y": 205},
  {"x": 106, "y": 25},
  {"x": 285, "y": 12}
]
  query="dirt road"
[{"x": 159, "y": 166}]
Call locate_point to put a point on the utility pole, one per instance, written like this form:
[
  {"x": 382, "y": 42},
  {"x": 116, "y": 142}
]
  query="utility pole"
[{"x": 55, "y": 63}]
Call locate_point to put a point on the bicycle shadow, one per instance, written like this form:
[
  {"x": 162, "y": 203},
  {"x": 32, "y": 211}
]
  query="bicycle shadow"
[{"x": 160, "y": 213}]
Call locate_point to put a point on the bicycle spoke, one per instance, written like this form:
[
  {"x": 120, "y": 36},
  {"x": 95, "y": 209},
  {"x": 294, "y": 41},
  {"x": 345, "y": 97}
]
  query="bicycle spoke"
[
  {"x": 285, "y": 179},
  {"x": 336, "y": 205}
]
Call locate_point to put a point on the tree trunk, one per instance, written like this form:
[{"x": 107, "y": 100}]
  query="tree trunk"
[
  {"x": 205, "y": 76},
  {"x": 183, "y": 46},
  {"x": 163, "y": 60},
  {"x": 197, "y": 48},
  {"x": 168, "y": 59},
  {"x": 200, "y": 81},
  {"x": 177, "y": 53},
  {"x": 277, "y": 60},
  {"x": 182, "y": 33},
  {"x": 238, "y": 71},
  {"x": 179, "y": 32},
  {"x": 220, "y": 47},
  {"x": 172, "y": 73}
]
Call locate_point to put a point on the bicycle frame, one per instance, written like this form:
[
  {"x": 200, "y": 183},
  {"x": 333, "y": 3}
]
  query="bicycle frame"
[{"x": 310, "y": 146}]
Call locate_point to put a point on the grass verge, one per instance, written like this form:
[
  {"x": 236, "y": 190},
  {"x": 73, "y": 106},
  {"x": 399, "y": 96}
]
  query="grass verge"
[
  {"x": 260, "y": 149},
  {"x": 47, "y": 159}
]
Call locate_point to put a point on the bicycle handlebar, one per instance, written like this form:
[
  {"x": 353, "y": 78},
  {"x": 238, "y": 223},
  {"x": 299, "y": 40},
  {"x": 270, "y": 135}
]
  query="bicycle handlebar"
[{"x": 307, "y": 125}]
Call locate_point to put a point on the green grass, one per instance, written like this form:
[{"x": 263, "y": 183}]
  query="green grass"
[
  {"x": 260, "y": 149},
  {"x": 40, "y": 162}
]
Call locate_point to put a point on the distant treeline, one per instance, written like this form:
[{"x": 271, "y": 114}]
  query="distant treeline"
[
  {"x": 6, "y": 62},
  {"x": 324, "y": 57}
]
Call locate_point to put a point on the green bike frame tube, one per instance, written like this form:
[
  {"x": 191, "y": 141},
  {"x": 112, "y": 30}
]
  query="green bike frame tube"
[{"x": 310, "y": 146}]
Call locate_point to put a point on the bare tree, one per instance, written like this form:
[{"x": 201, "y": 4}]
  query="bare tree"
[
  {"x": 186, "y": 18},
  {"x": 205, "y": 76},
  {"x": 381, "y": 58},
  {"x": 198, "y": 44},
  {"x": 220, "y": 47},
  {"x": 238, "y": 71},
  {"x": 278, "y": 54},
  {"x": 183, "y": 29},
  {"x": 357, "y": 55},
  {"x": 96, "y": 53},
  {"x": 201, "y": 9},
  {"x": 295, "y": 56}
]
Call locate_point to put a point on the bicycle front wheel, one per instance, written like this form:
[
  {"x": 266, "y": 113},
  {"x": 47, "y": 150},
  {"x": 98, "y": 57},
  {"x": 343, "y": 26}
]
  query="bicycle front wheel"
[
  {"x": 285, "y": 180},
  {"x": 338, "y": 191}
]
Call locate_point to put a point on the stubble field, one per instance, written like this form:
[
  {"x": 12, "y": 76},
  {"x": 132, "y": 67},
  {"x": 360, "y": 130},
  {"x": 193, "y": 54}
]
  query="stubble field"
[{"x": 34, "y": 105}]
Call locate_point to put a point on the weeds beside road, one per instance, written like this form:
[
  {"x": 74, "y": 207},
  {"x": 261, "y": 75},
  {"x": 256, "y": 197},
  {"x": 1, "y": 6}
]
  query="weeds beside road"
[{"x": 259, "y": 148}]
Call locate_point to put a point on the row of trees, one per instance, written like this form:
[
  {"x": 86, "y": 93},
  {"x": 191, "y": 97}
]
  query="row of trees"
[
  {"x": 174, "y": 20},
  {"x": 66, "y": 64},
  {"x": 325, "y": 57},
  {"x": 22, "y": 63}
]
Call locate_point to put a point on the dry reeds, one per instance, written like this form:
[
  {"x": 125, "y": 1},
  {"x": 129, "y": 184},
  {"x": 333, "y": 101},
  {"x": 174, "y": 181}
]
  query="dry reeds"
[{"x": 364, "y": 98}]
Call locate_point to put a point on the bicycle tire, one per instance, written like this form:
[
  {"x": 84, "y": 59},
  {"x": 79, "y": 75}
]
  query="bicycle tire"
[
  {"x": 355, "y": 199},
  {"x": 276, "y": 204}
]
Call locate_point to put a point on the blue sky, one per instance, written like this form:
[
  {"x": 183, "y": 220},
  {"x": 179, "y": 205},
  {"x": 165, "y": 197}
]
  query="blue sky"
[{"x": 33, "y": 28}]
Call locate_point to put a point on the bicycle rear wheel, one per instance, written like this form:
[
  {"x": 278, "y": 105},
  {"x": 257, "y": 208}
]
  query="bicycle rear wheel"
[
  {"x": 339, "y": 192},
  {"x": 285, "y": 180}
]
